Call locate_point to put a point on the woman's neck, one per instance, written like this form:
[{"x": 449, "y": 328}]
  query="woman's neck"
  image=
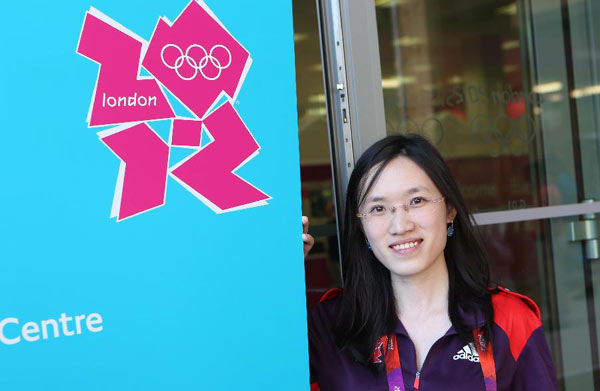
[{"x": 422, "y": 294}]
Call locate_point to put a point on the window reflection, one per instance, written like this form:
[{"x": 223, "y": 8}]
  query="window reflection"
[{"x": 457, "y": 75}]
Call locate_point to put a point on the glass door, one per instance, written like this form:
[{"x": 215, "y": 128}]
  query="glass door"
[
  {"x": 322, "y": 268},
  {"x": 571, "y": 115},
  {"x": 509, "y": 91}
]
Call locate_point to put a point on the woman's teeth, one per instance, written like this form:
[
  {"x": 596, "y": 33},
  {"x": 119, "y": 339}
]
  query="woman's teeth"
[{"x": 404, "y": 246}]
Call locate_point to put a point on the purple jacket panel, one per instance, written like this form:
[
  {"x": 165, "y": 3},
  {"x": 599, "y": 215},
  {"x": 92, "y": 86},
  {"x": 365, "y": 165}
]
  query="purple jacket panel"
[{"x": 450, "y": 364}]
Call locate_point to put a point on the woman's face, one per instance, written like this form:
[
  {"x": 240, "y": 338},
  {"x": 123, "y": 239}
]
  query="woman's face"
[{"x": 406, "y": 243}]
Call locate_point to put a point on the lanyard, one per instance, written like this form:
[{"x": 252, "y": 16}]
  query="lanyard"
[{"x": 394, "y": 370}]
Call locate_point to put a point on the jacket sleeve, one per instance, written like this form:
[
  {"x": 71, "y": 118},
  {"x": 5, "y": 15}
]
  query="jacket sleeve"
[
  {"x": 520, "y": 319},
  {"x": 535, "y": 370}
]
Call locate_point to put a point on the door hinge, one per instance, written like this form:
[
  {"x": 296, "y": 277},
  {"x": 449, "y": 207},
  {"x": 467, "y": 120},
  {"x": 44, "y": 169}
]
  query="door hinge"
[{"x": 587, "y": 231}]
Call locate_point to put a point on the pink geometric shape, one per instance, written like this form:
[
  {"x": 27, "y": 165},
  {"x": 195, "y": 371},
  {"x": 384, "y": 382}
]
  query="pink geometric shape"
[
  {"x": 196, "y": 58},
  {"x": 186, "y": 133},
  {"x": 121, "y": 95},
  {"x": 142, "y": 180},
  {"x": 209, "y": 173}
]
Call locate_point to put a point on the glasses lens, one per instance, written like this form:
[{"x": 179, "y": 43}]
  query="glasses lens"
[
  {"x": 383, "y": 215},
  {"x": 423, "y": 208},
  {"x": 377, "y": 215}
]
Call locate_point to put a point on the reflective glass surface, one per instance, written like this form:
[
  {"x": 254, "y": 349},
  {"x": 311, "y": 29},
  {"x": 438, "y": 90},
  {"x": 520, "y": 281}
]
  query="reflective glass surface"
[
  {"x": 537, "y": 259},
  {"x": 509, "y": 91},
  {"x": 466, "y": 77}
]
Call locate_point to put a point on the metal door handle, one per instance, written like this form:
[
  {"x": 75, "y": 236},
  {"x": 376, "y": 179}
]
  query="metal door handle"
[{"x": 587, "y": 230}]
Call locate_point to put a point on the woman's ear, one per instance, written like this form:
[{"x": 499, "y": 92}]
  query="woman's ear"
[{"x": 451, "y": 214}]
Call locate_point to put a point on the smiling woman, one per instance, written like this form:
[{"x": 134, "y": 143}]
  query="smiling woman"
[
  {"x": 408, "y": 243},
  {"x": 418, "y": 310}
]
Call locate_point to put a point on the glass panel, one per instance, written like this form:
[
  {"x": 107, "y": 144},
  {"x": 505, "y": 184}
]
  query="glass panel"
[
  {"x": 322, "y": 264},
  {"x": 510, "y": 93},
  {"x": 584, "y": 49},
  {"x": 585, "y": 46},
  {"x": 468, "y": 78},
  {"x": 535, "y": 258}
]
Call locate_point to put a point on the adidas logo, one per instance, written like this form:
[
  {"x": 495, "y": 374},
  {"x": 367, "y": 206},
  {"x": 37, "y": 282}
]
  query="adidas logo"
[{"x": 468, "y": 352}]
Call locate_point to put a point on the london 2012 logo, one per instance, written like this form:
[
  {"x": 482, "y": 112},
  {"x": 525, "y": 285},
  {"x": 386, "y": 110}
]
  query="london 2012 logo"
[{"x": 199, "y": 62}]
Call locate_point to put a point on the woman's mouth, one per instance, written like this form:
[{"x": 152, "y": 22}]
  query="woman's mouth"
[{"x": 407, "y": 246}]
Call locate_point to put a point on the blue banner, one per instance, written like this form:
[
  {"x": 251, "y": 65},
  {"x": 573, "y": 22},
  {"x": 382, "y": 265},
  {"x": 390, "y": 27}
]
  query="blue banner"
[{"x": 150, "y": 225}]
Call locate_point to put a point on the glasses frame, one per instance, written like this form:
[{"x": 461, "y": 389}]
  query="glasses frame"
[{"x": 406, "y": 208}]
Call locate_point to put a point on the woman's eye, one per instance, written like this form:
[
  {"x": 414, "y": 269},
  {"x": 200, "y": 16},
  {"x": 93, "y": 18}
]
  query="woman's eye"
[
  {"x": 377, "y": 209},
  {"x": 418, "y": 201}
]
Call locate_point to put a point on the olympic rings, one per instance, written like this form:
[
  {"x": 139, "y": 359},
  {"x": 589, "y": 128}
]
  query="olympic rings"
[
  {"x": 197, "y": 66},
  {"x": 495, "y": 133},
  {"x": 510, "y": 134}
]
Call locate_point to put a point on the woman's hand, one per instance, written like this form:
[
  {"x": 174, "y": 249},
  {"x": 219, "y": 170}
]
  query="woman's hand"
[{"x": 308, "y": 240}]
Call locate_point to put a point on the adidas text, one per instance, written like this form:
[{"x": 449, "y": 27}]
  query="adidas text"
[{"x": 467, "y": 353}]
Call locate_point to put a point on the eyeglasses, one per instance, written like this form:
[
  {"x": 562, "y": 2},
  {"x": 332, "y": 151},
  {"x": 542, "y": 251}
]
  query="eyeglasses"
[{"x": 416, "y": 207}]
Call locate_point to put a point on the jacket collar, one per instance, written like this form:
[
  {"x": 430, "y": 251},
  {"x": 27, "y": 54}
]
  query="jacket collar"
[{"x": 473, "y": 319}]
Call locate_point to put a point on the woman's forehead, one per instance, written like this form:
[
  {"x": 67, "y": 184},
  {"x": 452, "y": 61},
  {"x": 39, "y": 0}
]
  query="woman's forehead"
[{"x": 401, "y": 177}]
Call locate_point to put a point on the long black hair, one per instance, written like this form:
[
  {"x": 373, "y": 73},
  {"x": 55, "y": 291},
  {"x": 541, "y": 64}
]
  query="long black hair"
[{"x": 367, "y": 310}]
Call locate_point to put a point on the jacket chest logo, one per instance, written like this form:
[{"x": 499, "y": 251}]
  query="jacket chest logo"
[{"x": 468, "y": 352}]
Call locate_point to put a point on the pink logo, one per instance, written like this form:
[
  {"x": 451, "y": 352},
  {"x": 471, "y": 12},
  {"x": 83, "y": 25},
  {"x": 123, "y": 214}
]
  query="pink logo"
[
  {"x": 196, "y": 53},
  {"x": 199, "y": 62},
  {"x": 209, "y": 173},
  {"x": 142, "y": 181},
  {"x": 120, "y": 95},
  {"x": 186, "y": 133}
]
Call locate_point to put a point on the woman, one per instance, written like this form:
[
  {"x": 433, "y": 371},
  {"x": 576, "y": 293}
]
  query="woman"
[{"x": 417, "y": 311}]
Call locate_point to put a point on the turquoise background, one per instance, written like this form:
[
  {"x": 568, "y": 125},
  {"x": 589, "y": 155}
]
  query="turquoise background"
[{"x": 189, "y": 299}]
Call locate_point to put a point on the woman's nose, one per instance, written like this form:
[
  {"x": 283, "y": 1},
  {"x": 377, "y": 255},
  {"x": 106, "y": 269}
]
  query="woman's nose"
[{"x": 400, "y": 221}]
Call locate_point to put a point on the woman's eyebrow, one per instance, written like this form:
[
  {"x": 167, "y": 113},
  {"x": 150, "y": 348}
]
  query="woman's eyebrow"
[
  {"x": 416, "y": 189},
  {"x": 375, "y": 199},
  {"x": 412, "y": 190}
]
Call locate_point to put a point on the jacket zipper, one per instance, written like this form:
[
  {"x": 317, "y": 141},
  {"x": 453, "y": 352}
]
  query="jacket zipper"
[{"x": 417, "y": 380}]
